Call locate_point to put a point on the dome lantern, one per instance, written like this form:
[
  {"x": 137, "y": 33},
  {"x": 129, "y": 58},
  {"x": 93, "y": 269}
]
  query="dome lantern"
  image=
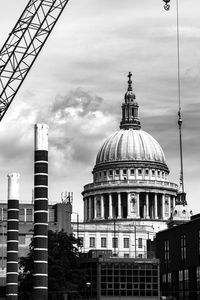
[{"x": 130, "y": 109}]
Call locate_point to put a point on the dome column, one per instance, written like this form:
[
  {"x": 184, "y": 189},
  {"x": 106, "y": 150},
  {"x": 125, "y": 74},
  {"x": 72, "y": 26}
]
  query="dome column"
[
  {"x": 163, "y": 206},
  {"x": 102, "y": 207},
  {"x": 138, "y": 204},
  {"x": 156, "y": 205},
  {"x": 119, "y": 205},
  {"x": 95, "y": 207},
  {"x": 110, "y": 206},
  {"x": 90, "y": 208},
  {"x": 85, "y": 208},
  {"x": 169, "y": 205},
  {"x": 147, "y": 206},
  {"x": 128, "y": 205}
]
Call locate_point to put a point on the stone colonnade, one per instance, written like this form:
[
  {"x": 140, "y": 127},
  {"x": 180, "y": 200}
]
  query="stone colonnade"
[{"x": 145, "y": 205}]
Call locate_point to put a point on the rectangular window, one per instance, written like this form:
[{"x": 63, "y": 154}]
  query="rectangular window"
[
  {"x": 115, "y": 242},
  {"x": 169, "y": 277},
  {"x": 126, "y": 242},
  {"x": 180, "y": 279},
  {"x": 183, "y": 247},
  {"x": 124, "y": 172},
  {"x": 198, "y": 277},
  {"x": 4, "y": 213},
  {"x": 153, "y": 173},
  {"x": 117, "y": 172},
  {"x": 163, "y": 175},
  {"x": 21, "y": 214},
  {"x": 146, "y": 172},
  {"x": 103, "y": 242},
  {"x": 132, "y": 171},
  {"x": 29, "y": 214},
  {"x": 199, "y": 241},
  {"x": 104, "y": 173},
  {"x": 158, "y": 173},
  {"x": 164, "y": 278},
  {"x": 123, "y": 286},
  {"x": 140, "y": 172},
  {"x": 166, "y": 250},
  {"x": 99, "y": 174},
  {"x": 140, "y": 243},
  {"x": 21, "y": 211},
  {"x": 51, "y": 215},
  {"x": 186, "y": 279},
  {"x": 92, "y": 242},
  {"x": 126, "y": 255},
  {"x": 29, "y": 211},
  {"x": 110, "y": 172}
]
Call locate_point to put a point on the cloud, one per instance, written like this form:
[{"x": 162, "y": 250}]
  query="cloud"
[
  {"x": 77, "y": 103},
  {"x": 77, "y": 123}
]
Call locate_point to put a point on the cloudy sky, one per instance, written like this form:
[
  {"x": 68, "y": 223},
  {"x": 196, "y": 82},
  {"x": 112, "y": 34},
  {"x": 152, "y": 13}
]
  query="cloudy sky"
[{"x": 77, "y": 85}]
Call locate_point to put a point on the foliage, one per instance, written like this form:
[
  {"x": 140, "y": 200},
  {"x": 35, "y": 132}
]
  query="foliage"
[{"x": 64, "y": 274}]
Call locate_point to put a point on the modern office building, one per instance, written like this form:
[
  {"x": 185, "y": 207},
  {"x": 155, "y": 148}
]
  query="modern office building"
[{"x": 110, "y": 277}]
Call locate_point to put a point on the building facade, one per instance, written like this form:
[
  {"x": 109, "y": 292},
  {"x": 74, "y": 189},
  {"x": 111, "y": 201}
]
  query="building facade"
[
  {"x": 178, "y": 249},
  {"x": 120, "y": 278},
  {"x": 131, "y": 197}
]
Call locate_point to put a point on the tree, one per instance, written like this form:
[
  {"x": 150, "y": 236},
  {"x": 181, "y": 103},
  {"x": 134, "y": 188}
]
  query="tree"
[{"x": 64, "y": 274}]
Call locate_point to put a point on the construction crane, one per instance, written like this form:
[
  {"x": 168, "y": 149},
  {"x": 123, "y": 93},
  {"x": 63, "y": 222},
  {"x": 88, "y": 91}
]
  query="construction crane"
[{"x": 23, "y": 45}]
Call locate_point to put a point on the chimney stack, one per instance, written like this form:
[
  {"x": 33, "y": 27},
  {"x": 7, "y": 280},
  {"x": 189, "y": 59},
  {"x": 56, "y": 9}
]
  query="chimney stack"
[
  {"x": 40, "y": 283},
  {"x": 12, "y": 236}
]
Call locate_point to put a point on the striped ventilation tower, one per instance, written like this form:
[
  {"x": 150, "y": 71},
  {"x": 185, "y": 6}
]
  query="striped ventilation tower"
[
  {"x": 12, "y": 236},
  {"x": 40, "y": 284}
]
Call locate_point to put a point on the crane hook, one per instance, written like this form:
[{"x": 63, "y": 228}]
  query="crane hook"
[{"x": 166, "y": 6}]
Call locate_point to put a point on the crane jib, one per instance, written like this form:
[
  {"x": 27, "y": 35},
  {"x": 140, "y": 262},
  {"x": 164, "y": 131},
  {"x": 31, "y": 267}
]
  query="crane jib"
[{"x": 23, "y": 45}]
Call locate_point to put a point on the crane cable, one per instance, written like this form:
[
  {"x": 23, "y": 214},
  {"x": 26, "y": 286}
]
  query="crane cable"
[
  {"x": 179, "y": 96},
  {"x": 180, "y": 121}
]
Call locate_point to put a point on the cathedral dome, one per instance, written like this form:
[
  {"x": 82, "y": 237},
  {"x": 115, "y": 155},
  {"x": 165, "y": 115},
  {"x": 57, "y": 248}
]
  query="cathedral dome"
[{"x": 130, "y": 145}]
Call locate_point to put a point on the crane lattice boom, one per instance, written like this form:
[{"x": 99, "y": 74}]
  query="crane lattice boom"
[{"x": 24, "y": 44}]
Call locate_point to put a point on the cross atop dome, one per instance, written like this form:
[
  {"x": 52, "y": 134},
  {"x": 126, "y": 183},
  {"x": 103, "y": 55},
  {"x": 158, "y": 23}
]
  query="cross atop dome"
[
  {"x": 129, "y": 81},
  {"x": 130, "y": 108}
]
